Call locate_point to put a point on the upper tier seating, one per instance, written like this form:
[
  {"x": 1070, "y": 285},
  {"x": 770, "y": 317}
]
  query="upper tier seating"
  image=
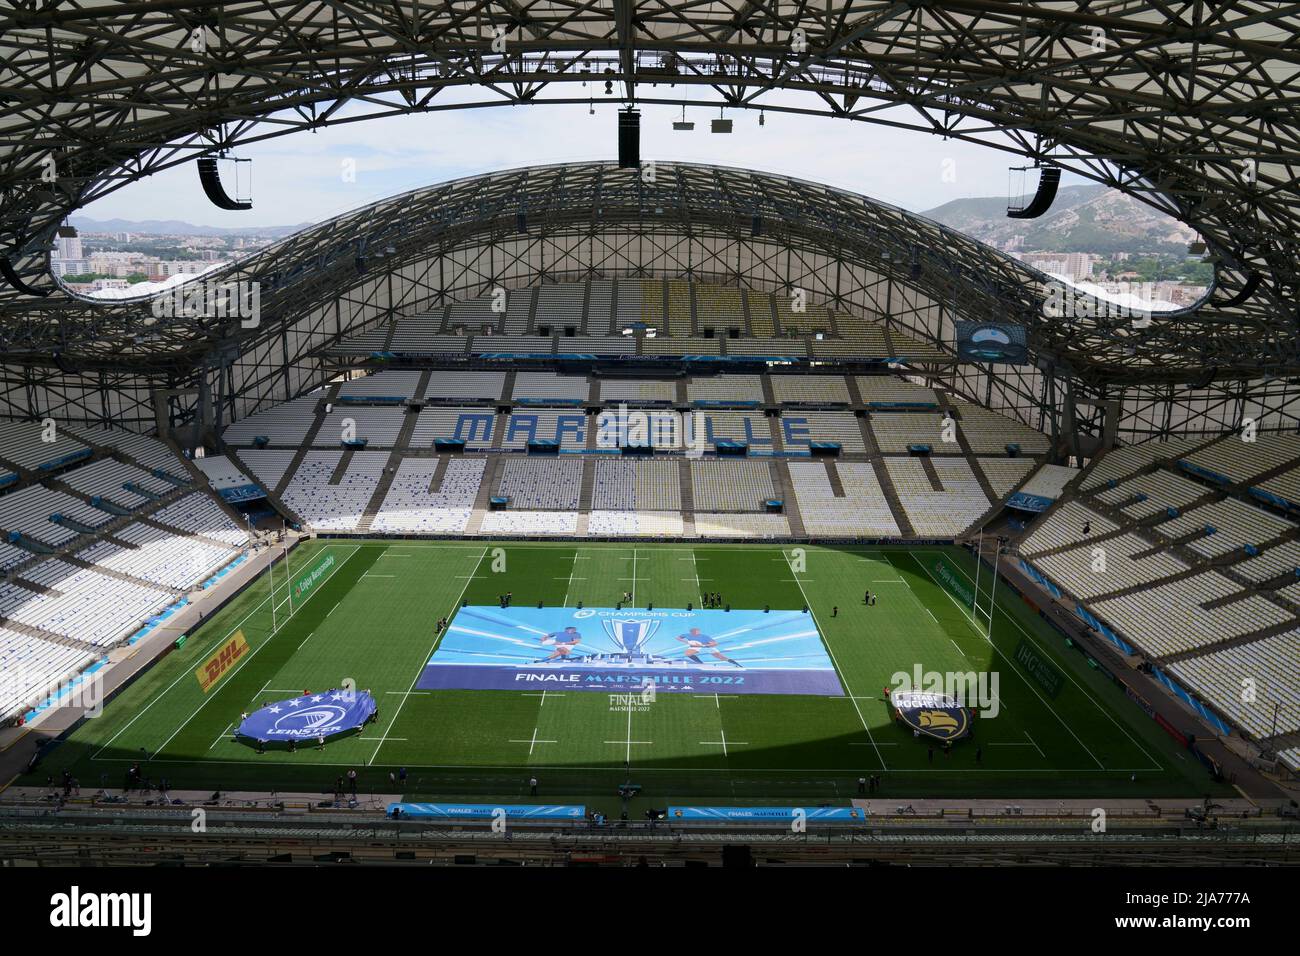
[
  {"x": 600, "y": 306},
  {"x": 886, "y": 388},
  {"x": 988, "y": 433},
  {"x": 1240, "y": 460},
  {"x": 486, "y": 386},
  {"x": 385, "y": 384},
  {"x": 811, "y": 389},
  {"x": 1122, "y": 462},
  {"x": 379, "y": 426},
  {"x": 284, "y": 424},
  {"x": 22, "y": 443},
  {"x": 559, "y": 306},
  {"x": 267, "y": 465},
  {"x": 105, "y": 479},
  {"x": 726, "y": 388},
  {"x": 548, "y": 385}
]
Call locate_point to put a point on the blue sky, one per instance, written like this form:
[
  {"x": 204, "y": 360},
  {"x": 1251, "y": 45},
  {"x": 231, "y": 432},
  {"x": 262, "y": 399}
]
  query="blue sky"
[{"x": 299, "y": 178}]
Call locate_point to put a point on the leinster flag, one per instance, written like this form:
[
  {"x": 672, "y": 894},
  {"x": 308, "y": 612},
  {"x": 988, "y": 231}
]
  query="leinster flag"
[{"x": 309, "y": 717}]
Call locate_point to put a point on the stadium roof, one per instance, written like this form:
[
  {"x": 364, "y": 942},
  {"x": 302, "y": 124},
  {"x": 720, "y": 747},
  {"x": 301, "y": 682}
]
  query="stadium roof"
[{"x": 1190, "y": 106}]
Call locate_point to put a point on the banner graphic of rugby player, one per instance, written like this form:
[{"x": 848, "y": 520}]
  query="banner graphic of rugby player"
[{"x": 622, "y": 652}]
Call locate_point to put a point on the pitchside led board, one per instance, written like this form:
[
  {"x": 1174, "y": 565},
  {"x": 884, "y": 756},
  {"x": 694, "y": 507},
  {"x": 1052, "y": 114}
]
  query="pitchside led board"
[
  {"x": 998, "y": 342},
  {"x": 670, "y": 650}
]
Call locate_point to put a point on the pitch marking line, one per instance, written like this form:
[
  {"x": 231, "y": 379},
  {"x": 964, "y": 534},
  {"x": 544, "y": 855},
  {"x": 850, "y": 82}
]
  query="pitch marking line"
[
  {"x": 572, "y": 571},
  {"x": 723, "y": 742},
  {"x": 1070, "y": 677},
  {"x": 187, "y": 672},
  {"x": 1000, "y": 652},
  {"x": 419, "y": 670},
  {"x": 220, "y": 736},
  {"x": 533, "y": 742},
  {"x": 835, "y": 664}
]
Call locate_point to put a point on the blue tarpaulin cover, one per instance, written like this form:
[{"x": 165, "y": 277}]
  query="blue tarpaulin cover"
[{"x": 325, "y": 714}]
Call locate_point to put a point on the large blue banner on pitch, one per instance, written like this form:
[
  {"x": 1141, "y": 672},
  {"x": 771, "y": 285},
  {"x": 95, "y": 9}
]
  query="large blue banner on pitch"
[
  {"x": 667, "y": 650},
  {"x": 310, "y": 716}
]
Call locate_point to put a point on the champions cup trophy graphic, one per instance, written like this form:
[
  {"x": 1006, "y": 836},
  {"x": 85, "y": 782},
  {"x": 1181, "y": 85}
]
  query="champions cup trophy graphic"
[{"x": 629, "y": 637}]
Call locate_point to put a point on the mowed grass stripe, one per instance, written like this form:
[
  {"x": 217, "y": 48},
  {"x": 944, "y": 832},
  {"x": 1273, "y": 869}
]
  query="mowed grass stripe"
[{"x": 476, "y": 744}]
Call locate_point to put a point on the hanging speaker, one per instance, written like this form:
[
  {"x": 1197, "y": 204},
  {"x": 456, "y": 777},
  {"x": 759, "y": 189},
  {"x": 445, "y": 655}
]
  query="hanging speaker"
[{"x": 629, "y": 139}]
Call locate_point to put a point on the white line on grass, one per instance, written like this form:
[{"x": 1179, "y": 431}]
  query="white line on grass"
[
  {"x": 187, "y": 672},
  {"x": 1070, "y": 677},
  {"x": 999, "y": 651},
  {"x": 220, "y": 736},
  {"x": 835, "y": 664},
  {"x": 569, "y": 586},
  {"x": 420, "y": 670}
]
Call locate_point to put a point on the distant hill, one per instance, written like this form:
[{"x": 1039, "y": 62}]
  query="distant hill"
[
  {"x": 175, "y": 227},
  {"x": 1085, "y": 218}
]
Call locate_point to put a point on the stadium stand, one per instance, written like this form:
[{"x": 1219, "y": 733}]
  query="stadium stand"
[
  {"x": 1219, "y": 678},
  {"x": 539, "y": 386},
  {"x": 377, "y": 426},
  {"x": 484, "y": 386},
  {"x": 528, "y": 523},
  {"x": 283, "y": 424},
  {"x": 810, "y": 389},
  {"x": 24, "y": 444},
  {"x": 632, "y": 486},
  {"x": 382, "y": 385},
  {"x": 861, "y": 511},
  {"x": 730, "y": 389},
  {"x": 108, "y": 478},
  {"x": 334, "y": 505},
  {"x": 938, "y": 513},
  {"x": 989, "y": 433},
  {"x": 539, "y": 484},
  {"x": 730, "y": 486},
  {"x": 411, "y": 506}
]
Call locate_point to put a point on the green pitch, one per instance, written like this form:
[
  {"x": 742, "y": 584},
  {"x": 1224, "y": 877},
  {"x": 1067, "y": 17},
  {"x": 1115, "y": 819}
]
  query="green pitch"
[{"x": 371, "y": 619}]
